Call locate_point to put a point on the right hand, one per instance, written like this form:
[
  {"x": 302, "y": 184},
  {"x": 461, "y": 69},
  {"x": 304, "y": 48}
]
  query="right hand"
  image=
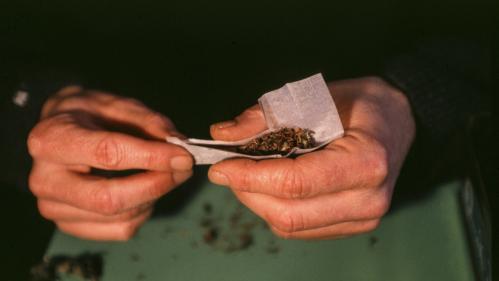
[{"x": 74, "y": 137}]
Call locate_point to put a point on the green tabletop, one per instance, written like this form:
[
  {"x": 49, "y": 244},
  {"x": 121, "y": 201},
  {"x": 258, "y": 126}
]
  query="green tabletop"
[{"x": 422, "y": 241}]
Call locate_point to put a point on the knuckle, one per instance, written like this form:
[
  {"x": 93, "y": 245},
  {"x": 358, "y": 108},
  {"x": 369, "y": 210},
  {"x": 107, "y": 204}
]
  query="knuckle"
[
  {"x": 104, "y": 98},
  {"x": 132, "y": 101},
  {"x": 35, "y": 183},
  {"x": 64, "y": 228},
  {"x": 35, "y": 142},
  {"x": 153, "y": 159},
  {"x": 286, "y": 221},
  {"x": 293, "y": 185},
  {"x": 282, "y": 234},
  {"x": 379, "y": 208},
  {"x": 44, "y": 210},
  {"x": 128, "y": 215},
  {"x": 108, "y": 153},
  {"x": 372, "y": 84},
  {"x": 245, "y": 181},
  {"x": 371, "y": 226},
  {"x": 46, "y": 132},
  {"x": 127, "y": 230},
  {"x": 158, "y": 187},
  {"x": 377, "y": 165},
  {"x": 105, "y": 203}
]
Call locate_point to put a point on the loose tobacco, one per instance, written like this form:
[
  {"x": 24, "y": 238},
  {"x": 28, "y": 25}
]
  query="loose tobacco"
[{"x": 281, "y": 142}]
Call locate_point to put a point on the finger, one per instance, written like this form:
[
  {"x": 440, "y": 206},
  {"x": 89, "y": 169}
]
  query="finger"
[
  {"x": 249, "y": 123},
  {"x": 56, "y": 211},
  {"x": 114, "y": 231},
  {"x": 342, "y": 165},
  {"x": 135, "y": 113},
  {"x": 123, "y": 110},
  {"x": 105, "y": 196},
  {"x": 337, "y": 231},
  {"x": 62, "y": 141},
  {"x": 297, "y": 215}
]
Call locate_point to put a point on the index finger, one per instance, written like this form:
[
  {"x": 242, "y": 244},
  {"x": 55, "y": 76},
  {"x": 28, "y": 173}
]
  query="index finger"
[
  {"x": 71, "y": 144},
  {"x": 333, "y": 169}
]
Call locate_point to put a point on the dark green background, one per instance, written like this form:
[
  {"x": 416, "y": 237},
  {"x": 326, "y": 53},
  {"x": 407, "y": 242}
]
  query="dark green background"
[{"x": 214, "y": 58}]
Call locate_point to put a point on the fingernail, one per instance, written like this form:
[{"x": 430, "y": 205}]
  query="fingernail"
[
  {"x": 181, "y": 163},
  {"x": 176, "y": 134},
  {"x": 180, "y": 177},
  {"x": 225, "y": 124},
  {"x": 218, "y": 177}
]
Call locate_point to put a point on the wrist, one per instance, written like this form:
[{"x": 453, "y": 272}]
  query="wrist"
[
  {"x": 395, "y": 103},
  {"x": 403, "y": 106}
]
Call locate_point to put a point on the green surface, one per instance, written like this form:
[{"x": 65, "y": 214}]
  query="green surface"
[{"x": 423, "y": 241}]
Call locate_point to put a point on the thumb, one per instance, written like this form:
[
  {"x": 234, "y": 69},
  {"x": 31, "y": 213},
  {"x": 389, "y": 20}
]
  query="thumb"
[{"x": 249, "y": 123}]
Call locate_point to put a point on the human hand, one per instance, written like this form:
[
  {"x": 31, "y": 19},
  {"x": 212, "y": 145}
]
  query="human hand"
[
  {"x": 341, "y": 190},
  {"x": 81, "y": 131}
]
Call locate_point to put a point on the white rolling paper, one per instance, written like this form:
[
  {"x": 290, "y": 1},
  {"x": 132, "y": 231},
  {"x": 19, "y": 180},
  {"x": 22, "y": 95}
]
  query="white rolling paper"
[{"x": 304, "y": 104}]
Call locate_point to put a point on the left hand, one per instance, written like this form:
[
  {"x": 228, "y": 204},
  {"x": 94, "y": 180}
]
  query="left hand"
[{"x": 338, "y": 191}]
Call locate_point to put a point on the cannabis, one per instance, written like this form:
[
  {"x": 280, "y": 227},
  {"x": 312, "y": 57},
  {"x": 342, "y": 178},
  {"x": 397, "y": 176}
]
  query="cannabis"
[{"x": 281, "y": 142}]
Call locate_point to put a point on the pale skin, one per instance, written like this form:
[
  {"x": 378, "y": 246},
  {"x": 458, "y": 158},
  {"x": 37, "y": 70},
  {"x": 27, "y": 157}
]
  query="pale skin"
[
  {"x": 73, "y": 136},
  {"x": 339, "y": 191}
]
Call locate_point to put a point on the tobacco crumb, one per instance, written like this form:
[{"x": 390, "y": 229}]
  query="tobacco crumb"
[
  {"x": 273, "y": 248},
  {"x": 235, "y": 217},
  {"x": 248, "y": 226},
  {"x": 207, "y": 208},
  {"x": 281, "y": 142},
  {"x": 228, "y": 233},
  {"x": 87, "y": 266},
  {"x": 210, "y": 235},
  {"x": 245, "y": 240},
  {"x": 166, "y": 232},
  {"x": 206, "y": 222},
  {"x": 373, "y": 240},
  {"x": 134, "y": 257}
]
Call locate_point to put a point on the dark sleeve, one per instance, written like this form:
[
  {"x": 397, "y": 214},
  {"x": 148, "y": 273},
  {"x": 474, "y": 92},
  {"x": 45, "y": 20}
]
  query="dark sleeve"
[
  {"x": 22, "y": 100},
  {"x": 446, "y": 81}
]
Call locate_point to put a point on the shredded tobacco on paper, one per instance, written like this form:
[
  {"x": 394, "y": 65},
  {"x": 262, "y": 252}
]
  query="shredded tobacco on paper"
[{"x": 281, "y": 142}]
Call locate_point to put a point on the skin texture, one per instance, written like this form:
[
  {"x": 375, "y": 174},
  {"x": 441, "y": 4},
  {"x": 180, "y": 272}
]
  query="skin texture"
[
  {"x": 80, "y": 131},
  {"x": 339, "y": 191}
]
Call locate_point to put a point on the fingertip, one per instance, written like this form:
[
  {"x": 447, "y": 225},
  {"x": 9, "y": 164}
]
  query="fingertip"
[
  {"x": 176, "y": 134},
  {"x": 223, "y": 125},
  {"x": 221, "y": 130},
  {"x": 181, "y": 163},
  {"x": 247, "y": 124}
]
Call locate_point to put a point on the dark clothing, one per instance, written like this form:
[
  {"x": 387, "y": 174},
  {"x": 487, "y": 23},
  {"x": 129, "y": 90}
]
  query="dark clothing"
[{"x": 446, "y": 83}]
